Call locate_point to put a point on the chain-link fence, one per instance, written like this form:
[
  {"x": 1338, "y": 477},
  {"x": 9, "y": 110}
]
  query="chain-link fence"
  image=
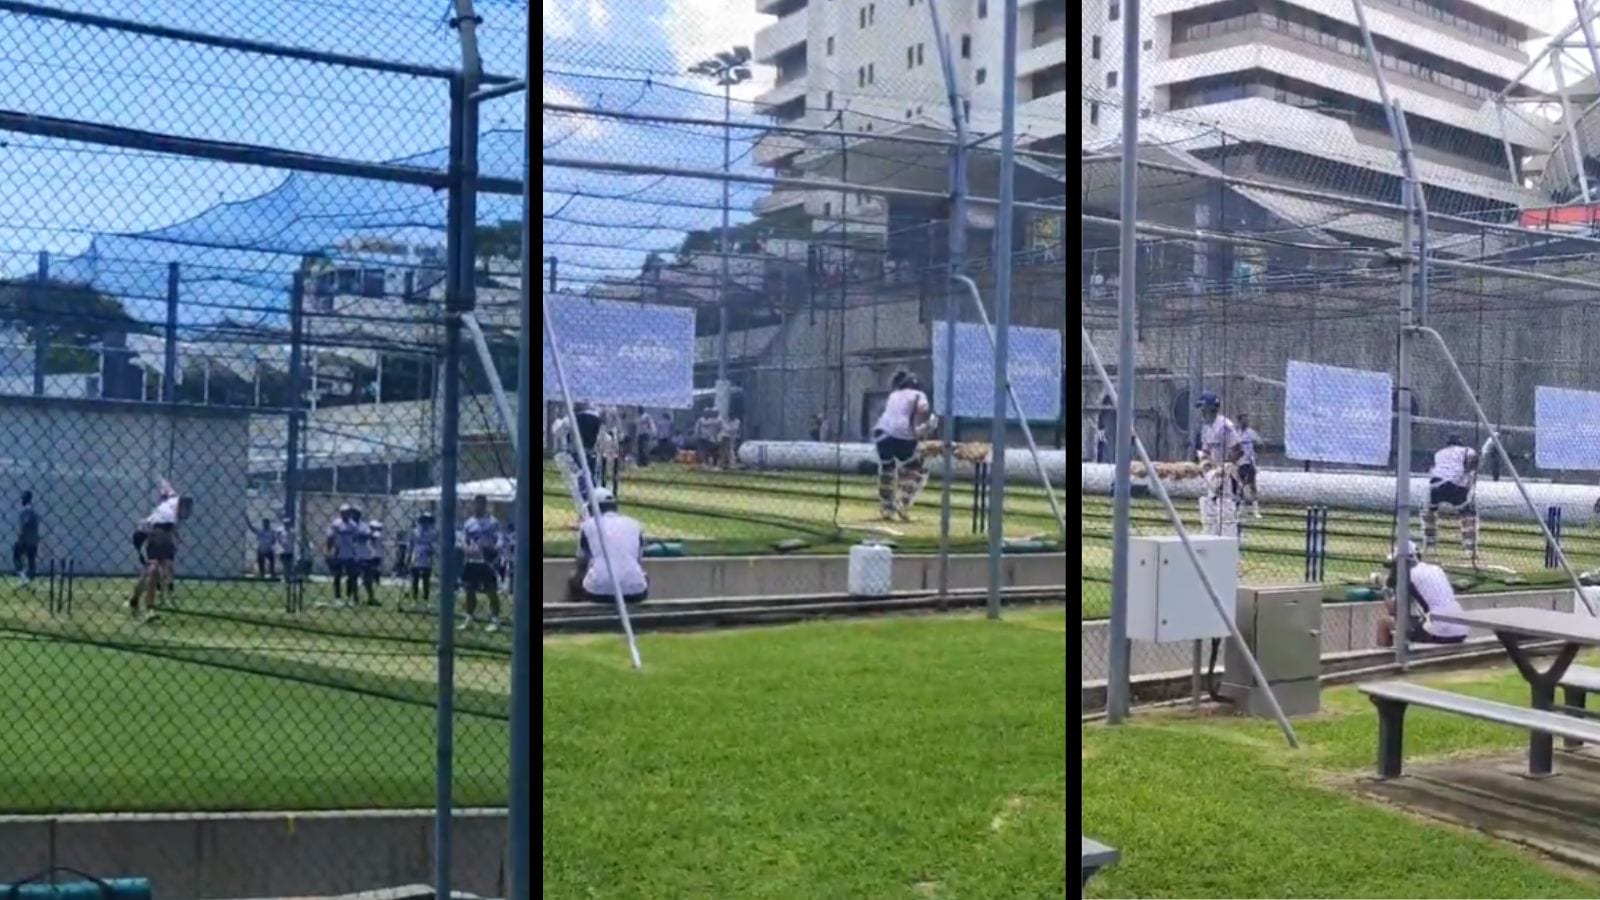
[
  {"x": 1349, "y": 326},
  {"x": 238, "y": 243},
  {"x": 799, "y": 217}
]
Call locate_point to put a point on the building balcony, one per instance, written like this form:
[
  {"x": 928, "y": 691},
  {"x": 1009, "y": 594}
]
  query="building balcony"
[
  {"x": 783, "y": 92},
  {"x": 1043, "y": 117},
  {"x": 780, "y": 7},
  {"x": 1042, "y": 56},
  {"x": 774, "y": 149},
  {"x": 779, "y": 201},
  {"x": 780, "y": 37}
]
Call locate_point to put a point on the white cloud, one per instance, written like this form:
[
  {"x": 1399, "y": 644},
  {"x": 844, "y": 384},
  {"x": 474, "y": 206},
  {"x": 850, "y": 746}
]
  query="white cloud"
[{"x": 556, "y": 22}]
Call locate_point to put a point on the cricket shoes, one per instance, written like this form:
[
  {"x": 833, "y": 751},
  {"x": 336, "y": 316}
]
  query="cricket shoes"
[
  {"x": 1256, "y": 512},
  {"x": 492, "y": 625},
  {"x": 465, "y": 623}
]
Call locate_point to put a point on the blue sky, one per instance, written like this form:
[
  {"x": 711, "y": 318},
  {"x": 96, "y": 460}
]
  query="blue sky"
[
  {"x": 62, "y": 197},
  {"x": 632, "y": 56}
]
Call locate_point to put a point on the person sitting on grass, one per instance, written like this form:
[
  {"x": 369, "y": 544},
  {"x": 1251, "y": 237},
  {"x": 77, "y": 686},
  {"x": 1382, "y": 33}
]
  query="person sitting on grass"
[
  {"x": 1432, "y": 593},
  {"x": 610, "y": 555}
]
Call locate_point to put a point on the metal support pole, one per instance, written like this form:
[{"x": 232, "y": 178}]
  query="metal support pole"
[
  {"x": 169, "y": 359},
  {"x": 958, "y": 250},
  {"x": 1135, "y": 446},
  {"x": 1402, "y": 483},
  {"x": 1587, "y": 25},
  {"x": 296, "y": 400},
  {"x": 724, "y": 397},
  {"x": 1001, "y": 438},
  {"x": 458, "y": 282},
  {"x": 486, "y": 359},
  {"x": 520, "y": 878},
  {"x": 41, "y": 341},
  {"x": 1505, "y": 144},
  {"x": 1118, "y": 688},
  {"x": 1567, "y": 119}
]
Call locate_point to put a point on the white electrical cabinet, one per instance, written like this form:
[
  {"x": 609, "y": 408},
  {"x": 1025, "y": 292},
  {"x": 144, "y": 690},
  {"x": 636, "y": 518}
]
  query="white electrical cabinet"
[{"x": 1167, "y": 601}]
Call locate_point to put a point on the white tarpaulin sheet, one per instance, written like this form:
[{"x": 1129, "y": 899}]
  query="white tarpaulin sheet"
[
  {"x": 496, "y": 490},
  {"x": 1337, "y": 415},
  {"x": 1566, "y": 429}
]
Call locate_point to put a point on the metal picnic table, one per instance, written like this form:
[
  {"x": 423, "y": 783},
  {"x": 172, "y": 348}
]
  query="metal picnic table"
[
  {"x": 1515, "y": 627},
  {"x": 1096, "y": 856}
]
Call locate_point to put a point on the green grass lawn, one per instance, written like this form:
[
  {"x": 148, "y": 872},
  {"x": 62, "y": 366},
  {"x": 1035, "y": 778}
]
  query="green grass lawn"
[
  {"x": 97, "y": 730},
  {"x": 740, "y": 513},
  {"x": 1220, "y": 807},
  {"x": 900, "y": 757},
  {"x": 230, "y": 703}
]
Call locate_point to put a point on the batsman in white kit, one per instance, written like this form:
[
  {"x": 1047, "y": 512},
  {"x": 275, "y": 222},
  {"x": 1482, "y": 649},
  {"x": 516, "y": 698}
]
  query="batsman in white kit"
[
  {"x": 1452, "y": 482},
  {"x": 1219, "y": 454},
  {"x": 907, "y": 418}
]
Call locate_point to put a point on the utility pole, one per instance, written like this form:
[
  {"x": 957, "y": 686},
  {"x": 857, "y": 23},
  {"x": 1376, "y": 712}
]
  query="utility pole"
[{"x": 727, "y": 68}]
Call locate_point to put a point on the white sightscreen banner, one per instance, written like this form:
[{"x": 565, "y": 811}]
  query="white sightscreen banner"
[
  {"x": 621, "y": 354},
  {"x": 1566, "y": 429},
  {"x": 1337, "y": 415}
]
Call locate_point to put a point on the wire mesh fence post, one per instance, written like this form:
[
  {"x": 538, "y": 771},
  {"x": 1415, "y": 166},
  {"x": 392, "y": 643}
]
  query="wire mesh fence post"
[
  {"x": 520, "y": 878},
  {"x": 41, "y": 346},
  {"x": 1118, "y": 686}
]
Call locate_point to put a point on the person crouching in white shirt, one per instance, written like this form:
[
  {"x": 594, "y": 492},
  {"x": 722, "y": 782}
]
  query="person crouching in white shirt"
[
  {"x": 1431, "y": 594},
  {"x": 610, "y": 556}
]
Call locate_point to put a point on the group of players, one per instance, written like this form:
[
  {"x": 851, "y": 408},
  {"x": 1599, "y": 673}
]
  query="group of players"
[
  {"x": 353, "y": 552},
  {"x": 1227, "y": 456}
]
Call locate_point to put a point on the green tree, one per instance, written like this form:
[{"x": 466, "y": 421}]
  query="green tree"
[
  {"x": 69, "y": 318},
  {"x": 501, "y": 241}
]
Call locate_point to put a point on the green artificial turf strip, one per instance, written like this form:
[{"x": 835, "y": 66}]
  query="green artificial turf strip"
[
  {"x": 746, "y": 512},
  {"x": 1220, "y": 807},
  {"x": 96, "y": 730},
  {"x": 859, "y": 759},
  {"x": 242, "y": 626}
]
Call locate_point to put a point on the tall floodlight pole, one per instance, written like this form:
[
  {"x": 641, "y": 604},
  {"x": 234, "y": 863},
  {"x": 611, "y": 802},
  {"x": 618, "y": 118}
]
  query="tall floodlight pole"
[
  {"x": 728, "y": 68},
  {"x": 1117, "y": 686}
]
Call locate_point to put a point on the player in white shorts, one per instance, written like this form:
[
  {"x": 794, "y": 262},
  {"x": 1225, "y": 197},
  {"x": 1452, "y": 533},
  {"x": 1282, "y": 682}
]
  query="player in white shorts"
[
  {"x": 481, "y": 535},
  {"x": 1450, "y": 483},
  {"x": 907, "y": 417},
  {"x": 1219, "y": 453},
  {"x": 160, "y": 550},
  {"x": 1246, "y": 478}
]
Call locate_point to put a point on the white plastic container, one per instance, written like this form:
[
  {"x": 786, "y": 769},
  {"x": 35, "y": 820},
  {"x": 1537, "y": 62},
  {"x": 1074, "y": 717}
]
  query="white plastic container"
[{"x": 871, "y": 570}]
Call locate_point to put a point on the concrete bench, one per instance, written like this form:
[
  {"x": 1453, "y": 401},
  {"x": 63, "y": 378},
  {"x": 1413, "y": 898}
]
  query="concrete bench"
[
  {"x": 1392, "y": 698},
  {"x": 1576, "y": 686},
  {"x": 1097, "y": 856}
]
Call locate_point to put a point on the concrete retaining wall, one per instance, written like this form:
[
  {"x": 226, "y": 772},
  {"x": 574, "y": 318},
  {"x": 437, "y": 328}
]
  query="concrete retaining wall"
[
  {"x": 781, "y": 576},
  {"x": 1346, "y": 627},
  {"x": 259, "y": 854}
]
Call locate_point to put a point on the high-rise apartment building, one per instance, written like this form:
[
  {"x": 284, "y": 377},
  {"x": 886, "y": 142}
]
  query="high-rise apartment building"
[
  {"x": 1286, "y": 89},
  {"x": 871, "y": 68}
]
